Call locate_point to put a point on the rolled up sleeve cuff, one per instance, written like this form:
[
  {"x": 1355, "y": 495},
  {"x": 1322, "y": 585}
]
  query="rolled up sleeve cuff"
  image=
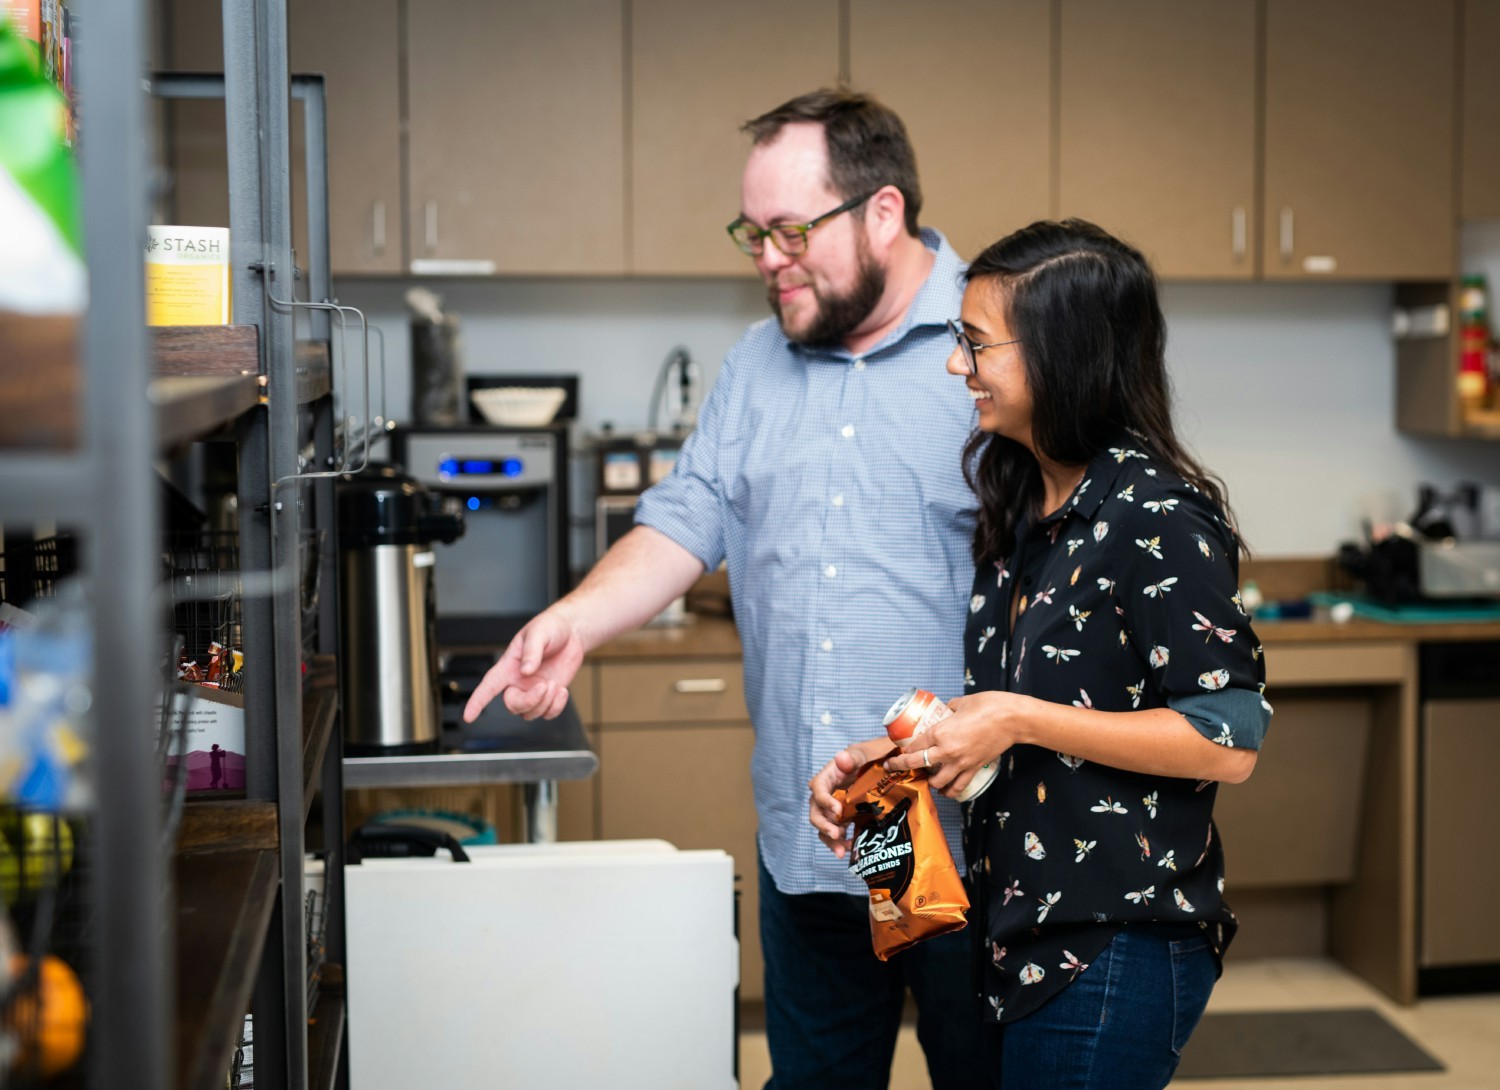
[
  {"x": 667, "y": 514},
  {"x": 1237, "y": 718}
]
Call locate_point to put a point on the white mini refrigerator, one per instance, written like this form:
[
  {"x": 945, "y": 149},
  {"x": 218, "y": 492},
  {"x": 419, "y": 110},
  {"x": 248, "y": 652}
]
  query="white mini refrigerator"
[{"x": 543, "y": 966}]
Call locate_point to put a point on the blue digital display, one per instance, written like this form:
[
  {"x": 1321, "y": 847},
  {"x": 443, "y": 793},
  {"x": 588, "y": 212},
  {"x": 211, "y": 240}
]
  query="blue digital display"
[{"x": 480, "y": 467}]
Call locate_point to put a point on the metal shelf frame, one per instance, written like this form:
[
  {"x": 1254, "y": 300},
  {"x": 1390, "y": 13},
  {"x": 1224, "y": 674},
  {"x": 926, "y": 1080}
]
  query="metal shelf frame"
[
  {"x": 258, "y": 142},
  {"x": 106, "y": 490}
]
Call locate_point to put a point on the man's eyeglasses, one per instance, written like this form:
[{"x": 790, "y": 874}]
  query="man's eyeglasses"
[
  {"x": 789, "y": 238},
  {"x": 970, "y": 347}
]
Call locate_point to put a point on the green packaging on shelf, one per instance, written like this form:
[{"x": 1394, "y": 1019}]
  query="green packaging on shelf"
[{"x": 41, "y": 266}]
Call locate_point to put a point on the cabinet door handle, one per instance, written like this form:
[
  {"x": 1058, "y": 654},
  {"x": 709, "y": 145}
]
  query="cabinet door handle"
[
  {"x": 430, "y": 214},
  {"x": 701, "y": 685},
  {"x": 1237, "y": 233},
  {"x": 1287, "y": 235},
  {"x": 377, "y": 228}
]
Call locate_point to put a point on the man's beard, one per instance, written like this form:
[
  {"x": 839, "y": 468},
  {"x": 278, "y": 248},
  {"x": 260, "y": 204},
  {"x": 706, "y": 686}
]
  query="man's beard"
[{"x": 837, "y": 315}]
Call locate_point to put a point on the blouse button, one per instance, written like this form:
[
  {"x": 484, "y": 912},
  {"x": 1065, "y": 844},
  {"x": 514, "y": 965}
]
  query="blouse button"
[
  {"x": 848, "y": 431},
  {"x": 827, "y": 645},
  {"x": 830, "y": 571},
  {"x": 859, "y": 365},
  {"x": 838, "y": 501},
  {"x": 826, "y": 719}
]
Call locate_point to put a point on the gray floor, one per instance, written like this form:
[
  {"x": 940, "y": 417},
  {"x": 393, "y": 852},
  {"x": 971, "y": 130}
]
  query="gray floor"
[{"x": 1463, "y": 1032}]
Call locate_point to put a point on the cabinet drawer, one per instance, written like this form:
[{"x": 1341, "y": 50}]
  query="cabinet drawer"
[{"x": 671, "y": 692}]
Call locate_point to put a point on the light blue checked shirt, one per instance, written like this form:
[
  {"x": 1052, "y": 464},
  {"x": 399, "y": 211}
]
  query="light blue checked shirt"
[{"x": 832, "y": 485}]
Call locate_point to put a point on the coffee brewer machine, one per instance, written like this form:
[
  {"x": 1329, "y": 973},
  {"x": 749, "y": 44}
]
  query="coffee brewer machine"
[
  {"x": 512, "y": 561},
  {"x": 388, "y": 525}
]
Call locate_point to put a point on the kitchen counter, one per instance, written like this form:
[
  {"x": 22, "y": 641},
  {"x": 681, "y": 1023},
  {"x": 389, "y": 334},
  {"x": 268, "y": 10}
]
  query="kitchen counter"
[
  {"x": 701, "y": 637},
  {"x": 716, "y": 637}
]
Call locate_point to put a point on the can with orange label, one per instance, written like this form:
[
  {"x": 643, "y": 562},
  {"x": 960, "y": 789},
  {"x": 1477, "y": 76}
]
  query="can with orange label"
[{"x": 914, "y": 712}]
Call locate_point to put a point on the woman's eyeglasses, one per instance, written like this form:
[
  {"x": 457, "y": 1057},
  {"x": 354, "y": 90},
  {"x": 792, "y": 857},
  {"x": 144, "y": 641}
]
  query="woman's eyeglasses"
[{"x": 970, "y": 347}]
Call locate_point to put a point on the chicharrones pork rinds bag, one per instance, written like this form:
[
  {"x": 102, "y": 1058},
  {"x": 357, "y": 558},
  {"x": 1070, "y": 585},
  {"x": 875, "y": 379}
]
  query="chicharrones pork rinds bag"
[{"x": 901, "y": 853}]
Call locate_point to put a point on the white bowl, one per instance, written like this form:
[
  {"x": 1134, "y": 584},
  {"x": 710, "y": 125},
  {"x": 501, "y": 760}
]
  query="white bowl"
[{"x": 519, "y": 406}]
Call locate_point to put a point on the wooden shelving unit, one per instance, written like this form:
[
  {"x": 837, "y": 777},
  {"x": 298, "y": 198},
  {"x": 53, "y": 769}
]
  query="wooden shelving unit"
[
  {"x": 224, "y": 904},
  {"x": 181, "y": 944}
]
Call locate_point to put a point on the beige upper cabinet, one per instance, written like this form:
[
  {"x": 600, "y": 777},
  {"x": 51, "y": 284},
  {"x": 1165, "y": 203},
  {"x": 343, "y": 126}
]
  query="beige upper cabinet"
[
  {"x": 1157, "y": 129},
  {"x": 1480, "y": 179},
  {"x": 1359, "y": 139},
  {"x": 353, "y": 43},
  {"x": 364, "y": 124},
  {"x": 972, "y": 81},
  {"x": 516, "y": 136},
  {"x": 697, "y": 72}
]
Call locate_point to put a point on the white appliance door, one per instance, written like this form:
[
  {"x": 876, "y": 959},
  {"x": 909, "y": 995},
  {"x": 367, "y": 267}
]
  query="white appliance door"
[{"x": 563, "y": 966}]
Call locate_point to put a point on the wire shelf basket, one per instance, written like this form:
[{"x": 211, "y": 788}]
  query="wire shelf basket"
[
  {"x": 202, "y": 570},
  {"x": 32, "y": 570}
]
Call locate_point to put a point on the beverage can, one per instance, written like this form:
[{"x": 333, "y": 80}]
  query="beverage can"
[{"x": 915, "y": 711}]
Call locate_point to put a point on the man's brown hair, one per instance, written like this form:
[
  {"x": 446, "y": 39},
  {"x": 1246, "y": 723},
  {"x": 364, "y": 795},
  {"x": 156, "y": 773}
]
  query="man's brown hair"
[{"x": 867, "y": 143}]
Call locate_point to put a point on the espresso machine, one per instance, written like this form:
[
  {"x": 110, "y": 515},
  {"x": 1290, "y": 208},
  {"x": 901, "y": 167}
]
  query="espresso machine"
[{"x": 511, "y": 484}]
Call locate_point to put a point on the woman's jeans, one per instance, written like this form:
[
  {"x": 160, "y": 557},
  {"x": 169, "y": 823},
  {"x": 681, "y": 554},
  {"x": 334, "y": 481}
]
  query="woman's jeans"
[{"x": 1122, "y": 1024}]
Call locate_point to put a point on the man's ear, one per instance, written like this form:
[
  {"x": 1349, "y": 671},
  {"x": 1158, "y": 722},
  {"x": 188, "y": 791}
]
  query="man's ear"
[{"x": 885, "y": 216}]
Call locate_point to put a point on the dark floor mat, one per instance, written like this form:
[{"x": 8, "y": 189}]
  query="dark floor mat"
[{"x": 1303, "y": 1042}]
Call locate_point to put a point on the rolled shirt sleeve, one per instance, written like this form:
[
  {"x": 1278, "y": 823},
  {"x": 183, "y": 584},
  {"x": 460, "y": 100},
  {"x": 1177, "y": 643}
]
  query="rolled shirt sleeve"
[{"x": 1179, "y": 594}]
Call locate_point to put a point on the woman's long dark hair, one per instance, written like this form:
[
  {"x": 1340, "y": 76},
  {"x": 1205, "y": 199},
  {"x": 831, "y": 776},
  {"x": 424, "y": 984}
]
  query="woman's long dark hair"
[{"x": 1093, "y": 342}]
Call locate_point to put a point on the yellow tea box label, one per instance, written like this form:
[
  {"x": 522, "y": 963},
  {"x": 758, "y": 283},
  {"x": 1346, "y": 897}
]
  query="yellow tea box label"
[{"x": 187, "y": 275}]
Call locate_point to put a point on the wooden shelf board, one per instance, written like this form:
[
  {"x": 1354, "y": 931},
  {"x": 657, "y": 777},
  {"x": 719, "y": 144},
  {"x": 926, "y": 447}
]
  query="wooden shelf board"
[
  {"x": 219, "y": 825},
  {"x": 191, "y": 406},
  {"x": 224, "y": 903},
  {"x": 205, "y": 349},
  {"x": 325, "y": 1030}
]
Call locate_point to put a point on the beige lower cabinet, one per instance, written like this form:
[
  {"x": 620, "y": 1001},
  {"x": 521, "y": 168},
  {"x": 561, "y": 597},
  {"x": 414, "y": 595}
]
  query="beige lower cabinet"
[
  {"x": 1320, "y": 844},
  {"x": 674, "y": 747}
]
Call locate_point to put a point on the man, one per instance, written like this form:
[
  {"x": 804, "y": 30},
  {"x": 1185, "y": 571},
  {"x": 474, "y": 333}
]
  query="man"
[{"x": 826, "y": 471}]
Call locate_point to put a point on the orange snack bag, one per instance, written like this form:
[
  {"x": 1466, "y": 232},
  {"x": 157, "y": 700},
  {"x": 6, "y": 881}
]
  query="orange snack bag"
[{"x": 900, "y": 852}]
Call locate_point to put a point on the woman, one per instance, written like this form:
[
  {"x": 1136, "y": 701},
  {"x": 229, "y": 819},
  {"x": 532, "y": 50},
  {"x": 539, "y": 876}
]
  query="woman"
[{"x": 1110, "y": 668}]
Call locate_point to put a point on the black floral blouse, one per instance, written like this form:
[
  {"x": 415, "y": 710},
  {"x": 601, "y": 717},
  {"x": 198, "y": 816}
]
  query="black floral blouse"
[{"x": 1128, "y": 600}]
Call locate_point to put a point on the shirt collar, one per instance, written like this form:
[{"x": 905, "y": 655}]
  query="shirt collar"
[
  {"x": 939, "y": 298},
  {"x": 1099, "y": 478}
]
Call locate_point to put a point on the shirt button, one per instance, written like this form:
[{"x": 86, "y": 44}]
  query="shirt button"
[
  {"x": 838, "y": 501},
  {"x": 859, "y": 365},
  {"x": 827, "y": 718},
  {"x": 848, "y": 431},
  {"x": 830, "y": 571},
  {"x": 827, "y": 645}
]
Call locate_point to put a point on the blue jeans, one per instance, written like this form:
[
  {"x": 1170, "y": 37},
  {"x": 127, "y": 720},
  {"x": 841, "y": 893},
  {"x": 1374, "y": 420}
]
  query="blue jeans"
[
  {"x": 833, "y": 1009},
  {"x": 1122, "y": 1024}
]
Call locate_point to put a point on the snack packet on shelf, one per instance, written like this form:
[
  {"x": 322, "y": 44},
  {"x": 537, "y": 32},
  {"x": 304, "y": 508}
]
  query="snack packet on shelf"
[{"x": 900, "y": 852}]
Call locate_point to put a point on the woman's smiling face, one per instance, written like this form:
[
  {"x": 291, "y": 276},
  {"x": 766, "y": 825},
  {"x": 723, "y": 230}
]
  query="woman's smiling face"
[{"x": 1001, "y": 392}]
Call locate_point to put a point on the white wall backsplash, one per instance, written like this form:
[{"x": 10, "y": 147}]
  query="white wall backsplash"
[{"x": 1285, "y": 390}]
